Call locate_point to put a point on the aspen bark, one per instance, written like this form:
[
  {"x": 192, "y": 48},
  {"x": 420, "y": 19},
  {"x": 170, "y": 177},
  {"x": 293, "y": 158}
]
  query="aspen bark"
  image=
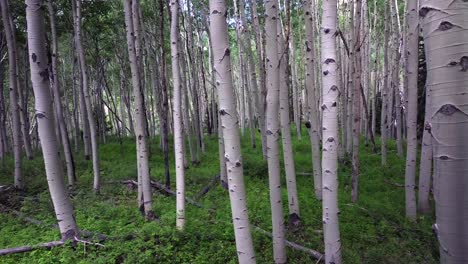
[
  {"x": 58, "y": 104},
  {"x": 288, "y": 155},
  {"x": 14, "y": 106},
  {"x": 384, "y": 91},
  {"x": 273, "y": 130},
  {"x": 446, "y": 43},
  {"x": 425, "y": 166},
  {"x": 330, "y": 134},
  {"x": 131, "y": 10},
  {"x": 230, "y": 131},
  {"x": 312, "y": 100},
  {"x": 411, "y": 72},
  {"x": 45, "y": 120},
  {"x": 87, "y": 99},
  {"x": 177, "y": 115}
]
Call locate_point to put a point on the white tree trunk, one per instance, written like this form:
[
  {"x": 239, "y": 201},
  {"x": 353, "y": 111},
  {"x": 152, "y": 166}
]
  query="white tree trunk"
[
  {"x": 314, "y": 129},
  {"x": 425, "y": 166},
  {"x": 446, "y": 43},
  {"x": 144, "y": 181},
  {"x": 230, "y": 131},
  {"x": 330, "y": 134},
  {"x": 384, "y": 91},
  {"x": 45, "y": 119},
  {"x": 272, "y": 130},
  {"x": 288, "y": 156},
  {"x": 411, "y": 71},
  {"x": 14, "y": 106},
  {"x": 177, "y": 114}
]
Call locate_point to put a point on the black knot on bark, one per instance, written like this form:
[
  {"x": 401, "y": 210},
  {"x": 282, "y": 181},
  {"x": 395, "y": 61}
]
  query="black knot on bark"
[
  {"x": 334, "y": 104},
  {"x": 329, "y": 60},
  {"x": 324, "y": 106},
  {"x": 268, "y": 132},
  {"x": 327, "y": 30},
  {"x": 326, "y": 72},
  {"x": 215, "y": 12},
  {"x": 445, "y": 25},
  {"x": 44, "y": 74},
  {"x": 308, "y": 125},
  {"x": 238, "y": 164},
  {"x": 423, "y": 11},
  {"x": 334, "y": 88},
  {"x": 222, "y": 112},
  {"x": 444, "y": 157},
  {"x": 464, "y": 63},
  {"x": 448, "y": 109},
  {"x": 331, "y": 139},
  {"x": 34, "y": 57}
]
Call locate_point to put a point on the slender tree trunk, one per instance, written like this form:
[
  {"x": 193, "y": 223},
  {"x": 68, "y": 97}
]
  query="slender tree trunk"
[
  {"x": 58, "y": 104},
  {"x": 356, "y": 101},
  {"x": 131, "y": 10},
  {"x": 330, "y": 134},
  {"x": 272, "y": 130},
  {"x": 384, "y": 91},
  {"x": 447, "y": 71},
  {"x": 14, "y": 106},
  {"x": 411, "y": 71},
  {"x": 313, "y": 123},
  {"x": 177, "y": 114},
  {"x": 425, "y": 167},
  {"x": 288, "y": 156},
  {"x": 45, "y": 119},
  {"x": 230, "y": 130},
  {"x": 3, "y": 143},
  {"x": 87, "y": 97}
]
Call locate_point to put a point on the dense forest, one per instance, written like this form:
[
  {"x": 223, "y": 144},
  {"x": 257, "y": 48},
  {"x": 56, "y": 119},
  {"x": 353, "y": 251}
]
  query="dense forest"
[{"x": 214, "y": 131}]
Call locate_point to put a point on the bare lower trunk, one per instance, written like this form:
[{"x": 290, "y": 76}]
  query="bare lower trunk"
[
  {"x": 446, "y": 44},
  {"x": 330, "y": 135},
  {"x": 45, "y": 119},
  {"x": 425, "y": 168},
  {"x": 177, "y": 114}
]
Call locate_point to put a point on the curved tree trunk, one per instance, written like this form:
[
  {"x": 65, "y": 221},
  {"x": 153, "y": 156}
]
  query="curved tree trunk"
[
  {"x": 58, "y": 104},
  {"x": 447, "y": 73},
  {"x": 177, "y": 114},
  {"x": 14, "y": 106},
  {"x": 330, "y": 134},
  {"x": 230, "y": 131},
  {"x": 87, "y": 99},
  {"x": 45, "y": 120},
  {"x": 273, "y": 130}
]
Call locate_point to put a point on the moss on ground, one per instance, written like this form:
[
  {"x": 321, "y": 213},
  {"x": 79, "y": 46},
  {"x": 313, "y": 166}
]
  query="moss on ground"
[{"x": 373, "y": 231}]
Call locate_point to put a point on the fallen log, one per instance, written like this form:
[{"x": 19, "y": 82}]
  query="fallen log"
[
  {"x": 207, "y": 188},
  {"x": 394, "y": 183},
  {"x": 47, "y": 245}
]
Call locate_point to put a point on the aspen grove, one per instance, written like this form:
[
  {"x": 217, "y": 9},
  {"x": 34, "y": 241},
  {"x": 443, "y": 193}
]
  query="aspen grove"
[{"x": 238, "y": 131}]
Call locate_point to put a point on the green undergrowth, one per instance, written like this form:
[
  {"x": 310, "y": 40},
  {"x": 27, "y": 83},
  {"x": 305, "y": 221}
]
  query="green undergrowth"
[{"x": 374, "y": 230}]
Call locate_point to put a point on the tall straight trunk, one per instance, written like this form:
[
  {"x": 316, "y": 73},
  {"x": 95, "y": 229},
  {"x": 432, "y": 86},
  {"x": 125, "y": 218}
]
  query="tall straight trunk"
[
  {"x": 45, "y": 120},
  {"x": 446, "y": 45},
  {"x": 177, "y": 114},
  {"x": 260, "y": 96},
  {"x": 230, "y": 130},
  {"x": 356, "y": 101},
  {"x": 312, "y": 109},
  {"x": 396, "y": 80},
  {"x": 14, "y": 106},
  {"x": 288, "y": 156},
  {"x": 273, "y": 130},
  {"x": 58, "y": 104},
  {"x": 295, "y": 85},
  {"x": 330, "y": 134},
  {"x": 425, "y": 166},
  {"x": 384, "y": 91},
  {"x": 3, "y": 143},
  {"x": 131, "y": 10},
  {"x": 411, "y": 72},
  {"x": 87, "y": 99}
]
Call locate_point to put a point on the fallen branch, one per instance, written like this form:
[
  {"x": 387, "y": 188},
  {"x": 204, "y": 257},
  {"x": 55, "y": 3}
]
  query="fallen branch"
[
  {"x": 46, "y": 245},
  {"x": 205, "y": 189},
  {"x": 310, "y": 252},
  {"x": 394, "y": 183},
  {"x": 304, "y": 173}
]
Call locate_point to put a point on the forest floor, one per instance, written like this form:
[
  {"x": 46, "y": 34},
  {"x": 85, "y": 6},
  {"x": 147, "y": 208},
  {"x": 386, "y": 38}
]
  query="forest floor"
[{"x": 373, "y": 231}]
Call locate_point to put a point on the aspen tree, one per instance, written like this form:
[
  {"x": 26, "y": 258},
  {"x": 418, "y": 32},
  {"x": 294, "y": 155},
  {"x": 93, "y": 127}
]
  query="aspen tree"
[
  {"x": 273, "y": 129},
  {"x": 45, "y": 119},
  {"x": 384, "y": 91},
  {"x": 446, "y": 44},
  {"x": 330, "y": 134},
  {"x": 131, "y": 9},
  {"x": 14, "y": 106},
  {"x": 425, "y": 166},
  {"x": 177, "y": 115},
  {"x": 411, "y": 72},
  {"x": 312, "y": 101},
  {"x": 230, "y": 130}
]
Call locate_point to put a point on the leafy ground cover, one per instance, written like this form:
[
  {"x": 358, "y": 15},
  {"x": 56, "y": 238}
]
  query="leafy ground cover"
[{"x": 373, "y": 231}]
